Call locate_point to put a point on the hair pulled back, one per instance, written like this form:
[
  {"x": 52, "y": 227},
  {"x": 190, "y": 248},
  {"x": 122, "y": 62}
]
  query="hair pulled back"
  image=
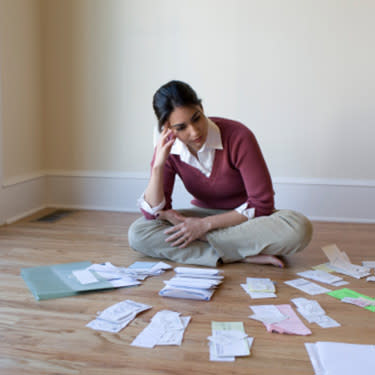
[{"x": 170, "y": 96}]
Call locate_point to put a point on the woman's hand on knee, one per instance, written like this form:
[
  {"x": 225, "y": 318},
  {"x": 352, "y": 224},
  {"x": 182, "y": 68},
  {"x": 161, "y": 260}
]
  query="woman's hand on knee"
[{"x": 189, "y": 230}]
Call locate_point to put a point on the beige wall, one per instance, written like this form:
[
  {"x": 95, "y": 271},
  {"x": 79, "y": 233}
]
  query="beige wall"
[
  {"x": 20, "y": 85},
  {"x": 298, "y": 72}
]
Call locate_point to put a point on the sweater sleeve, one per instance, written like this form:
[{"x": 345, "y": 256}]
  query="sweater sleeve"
[
  {"x": 168, "y": 184},
  {"x": 248, "y": 159}
]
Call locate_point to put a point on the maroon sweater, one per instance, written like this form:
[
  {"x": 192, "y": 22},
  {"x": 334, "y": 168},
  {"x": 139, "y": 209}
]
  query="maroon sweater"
[{"x": 239, "y": 174}]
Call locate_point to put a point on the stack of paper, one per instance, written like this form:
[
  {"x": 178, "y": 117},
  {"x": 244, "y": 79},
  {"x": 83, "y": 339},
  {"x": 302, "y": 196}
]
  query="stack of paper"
[
  {"x": 142, "y": 270},
  {"x": 122, "y": 276},
  {"x": 340, "y": 262},
  {"x": 166, "y": 328},
  {"x": 259, "y": 287},
  {"x": 313, "y": 313},
  {"x": 228, "y": 341},
  {"x": 351, "y": 296},
  {"x": 118, "y": 316},
  {"x": 323, "y": 277},
  {"x": 307, "y": 286},
  {"x": 192, "y": 283},
  {"x": 331, "y": 358},
  {"x": 279, "y": 319}
]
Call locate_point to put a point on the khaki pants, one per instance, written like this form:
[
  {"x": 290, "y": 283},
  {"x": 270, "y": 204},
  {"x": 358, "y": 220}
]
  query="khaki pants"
[{"x": 282, "y": 233}]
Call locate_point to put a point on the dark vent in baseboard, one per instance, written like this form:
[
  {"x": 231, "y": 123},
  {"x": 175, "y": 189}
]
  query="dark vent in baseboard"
[{"x": 54, "y": 216}]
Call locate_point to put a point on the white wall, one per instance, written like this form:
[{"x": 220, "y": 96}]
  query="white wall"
[
  {"x": 299, "y": 73},
  {"x": 22, "y": 187},
  {"x": 21, "y": 67}
]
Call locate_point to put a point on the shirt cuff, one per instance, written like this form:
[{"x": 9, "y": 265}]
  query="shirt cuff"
[
  {"x": 248, "y": 212},
  {"x": 143, "y": 205}
]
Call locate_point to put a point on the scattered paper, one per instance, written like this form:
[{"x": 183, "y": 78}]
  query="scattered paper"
[
  {"x": 323, "y": 267},
  {"x": 359, "y": 301},
  {"x": 166, "y": 328},
  {"x": 267, "y": 314},
  {"x": 321, "y": 276},
  {"x": 369, "y": 264},
  {"x": 291, "y": 325},
  {"x": 85, "y": 276},
  {"x": 192, "y": 283},
  {"x": 370, "y": 278},
  {"x": 341, "y": 358},
  {"x": 228, "y": 341},
  {"x": 352, "y": 295},
  {"x": 314, "y": 313},
  {"x": 259, "y": 287},
  {"x": 340, "y": 262},
  {"x": 122, "y": 276},
  {"x": 307, "y": 286},
  {"x": 118, "y": 316}
]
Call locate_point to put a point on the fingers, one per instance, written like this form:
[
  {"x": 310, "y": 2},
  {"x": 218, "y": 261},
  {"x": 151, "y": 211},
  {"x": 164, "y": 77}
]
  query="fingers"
[{"x": 179, "y": 237}]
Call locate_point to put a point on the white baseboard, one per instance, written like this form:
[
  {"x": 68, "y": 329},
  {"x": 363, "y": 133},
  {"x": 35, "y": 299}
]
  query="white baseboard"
[
  {"x": 22, "y": 198},
  {"x": 319, "y": 199}
]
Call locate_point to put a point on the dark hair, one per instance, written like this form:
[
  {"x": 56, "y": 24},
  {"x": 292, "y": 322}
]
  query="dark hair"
[{"x": 171, "y": 95}]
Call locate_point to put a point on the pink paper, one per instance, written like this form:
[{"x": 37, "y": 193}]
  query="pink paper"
[{"x": 292, "y": 326}]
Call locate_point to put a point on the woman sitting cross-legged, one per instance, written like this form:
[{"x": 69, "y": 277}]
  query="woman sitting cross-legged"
[{"x": 233, "y": 218}]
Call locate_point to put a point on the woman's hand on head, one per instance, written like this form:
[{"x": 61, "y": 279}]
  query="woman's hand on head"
[
  {"x": 163, "y": 148},
  {"x": 189, "y": 230}
]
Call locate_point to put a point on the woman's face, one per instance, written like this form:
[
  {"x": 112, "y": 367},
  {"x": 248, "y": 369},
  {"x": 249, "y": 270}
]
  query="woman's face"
[{"x": 189, "y": 125}]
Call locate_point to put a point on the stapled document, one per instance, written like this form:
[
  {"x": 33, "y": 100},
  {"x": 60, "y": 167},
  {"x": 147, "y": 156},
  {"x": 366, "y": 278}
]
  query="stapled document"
[{"x": 228, "y": 340}]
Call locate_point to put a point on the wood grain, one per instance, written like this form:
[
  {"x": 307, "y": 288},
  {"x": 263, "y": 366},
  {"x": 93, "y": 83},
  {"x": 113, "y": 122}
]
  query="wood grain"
[{"x": 50, "y": 337}]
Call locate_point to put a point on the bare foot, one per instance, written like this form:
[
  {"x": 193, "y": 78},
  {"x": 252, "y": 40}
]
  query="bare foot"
[{"x": 264, "y": 259}]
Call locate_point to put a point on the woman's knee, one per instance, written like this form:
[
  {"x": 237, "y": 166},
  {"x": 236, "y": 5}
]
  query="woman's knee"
[
  {"x": 302, "y": 232},
  {"x": 136, "y": 233}
]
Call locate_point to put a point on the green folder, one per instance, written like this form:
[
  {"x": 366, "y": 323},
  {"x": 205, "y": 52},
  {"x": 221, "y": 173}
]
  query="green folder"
[{"x": 56, "y": 281}]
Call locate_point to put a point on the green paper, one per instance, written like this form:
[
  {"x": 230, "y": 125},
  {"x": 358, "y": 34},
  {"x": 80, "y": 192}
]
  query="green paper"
[
  {"x": 56, "y": 281},
  {"x": 345, "y": 292}
]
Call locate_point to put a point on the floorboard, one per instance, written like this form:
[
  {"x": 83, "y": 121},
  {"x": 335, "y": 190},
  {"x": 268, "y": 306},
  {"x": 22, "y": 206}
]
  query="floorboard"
[{"x": 50, "y": 337}]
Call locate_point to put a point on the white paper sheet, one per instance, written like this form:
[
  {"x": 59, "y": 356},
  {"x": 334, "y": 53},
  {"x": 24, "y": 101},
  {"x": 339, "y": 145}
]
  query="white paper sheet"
[
  {"x": 331, "y": 358},
  {"x": 307, "y": 286}
]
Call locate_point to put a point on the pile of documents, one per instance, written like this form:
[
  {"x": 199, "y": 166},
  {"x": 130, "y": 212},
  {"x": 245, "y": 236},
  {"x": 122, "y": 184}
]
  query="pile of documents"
[
  {"x": 313, "y": 313},
  {"x": 121, "y": 276},
  {"x": 166, "y": 328},
  {"x": 228, "y": 341},
  {"x": 355, "y": 298},
  {"x": 116, "y": 317},
  {"x": 340, "y": 262},
  {"x": 307, "y": 286},
  {"x": 328, "y": 358},
  {"x": 192, "y": 283},
  {"x": 259, "y": 287},
  {"x": 279, "y": 319}
]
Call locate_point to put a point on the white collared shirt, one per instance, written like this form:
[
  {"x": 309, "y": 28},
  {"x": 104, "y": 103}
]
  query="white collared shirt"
[
  {"x": 206, "y": 154},
  {"x": 204, "y": 162}
]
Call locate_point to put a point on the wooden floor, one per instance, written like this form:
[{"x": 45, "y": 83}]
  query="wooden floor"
[{"x": 50, "y": 337}]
